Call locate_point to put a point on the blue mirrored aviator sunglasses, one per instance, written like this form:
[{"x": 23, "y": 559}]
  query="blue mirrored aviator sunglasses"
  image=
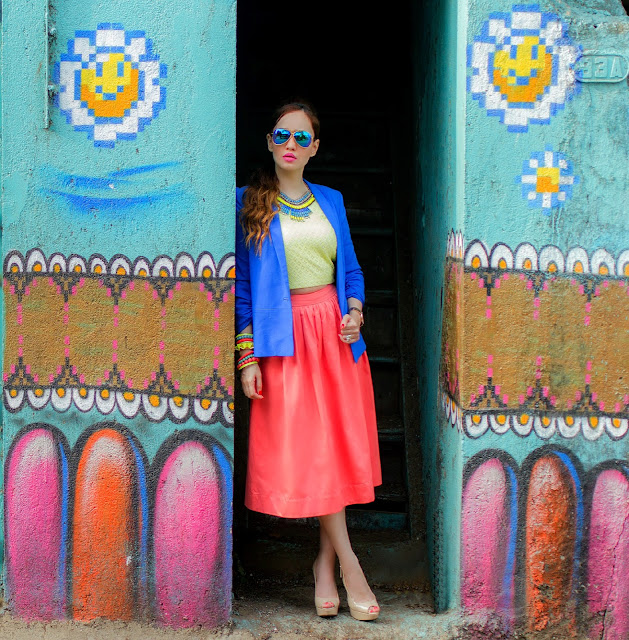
[{"x": 282, "y": 136}]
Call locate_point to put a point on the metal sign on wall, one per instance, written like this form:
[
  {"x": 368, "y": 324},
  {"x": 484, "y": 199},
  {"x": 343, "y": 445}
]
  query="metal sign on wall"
[{"x": 602, "y": 67}]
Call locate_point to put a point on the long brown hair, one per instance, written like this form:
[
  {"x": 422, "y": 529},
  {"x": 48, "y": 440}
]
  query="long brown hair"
[{"x": 261, "y": 195}]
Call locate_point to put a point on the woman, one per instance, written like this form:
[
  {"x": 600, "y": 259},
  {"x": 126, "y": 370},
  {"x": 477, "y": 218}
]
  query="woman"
[{"x": 313, "y": 446}]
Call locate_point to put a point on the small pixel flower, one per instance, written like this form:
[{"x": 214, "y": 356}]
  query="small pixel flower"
[{"x": 547, "y": 180}]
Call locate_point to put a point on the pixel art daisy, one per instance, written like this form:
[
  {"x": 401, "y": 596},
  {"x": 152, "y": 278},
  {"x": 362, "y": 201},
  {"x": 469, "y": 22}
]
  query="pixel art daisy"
[
  {"x": 522, "y": 66},
  {"x": 547, "y": 180},
  {"x": 109, "y": 83}
]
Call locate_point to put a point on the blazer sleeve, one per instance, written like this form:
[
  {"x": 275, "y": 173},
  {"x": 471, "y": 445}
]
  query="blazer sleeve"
[
  {"x": 243, "y": 281},
  {"x": 354, "y": 280}
]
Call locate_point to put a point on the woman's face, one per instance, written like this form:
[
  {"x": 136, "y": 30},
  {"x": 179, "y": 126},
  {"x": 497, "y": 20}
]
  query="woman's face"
[{"x": 290, "y": 156}]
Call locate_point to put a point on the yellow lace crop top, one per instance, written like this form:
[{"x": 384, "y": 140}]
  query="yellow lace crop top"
[{"x": 310, "y": 248}]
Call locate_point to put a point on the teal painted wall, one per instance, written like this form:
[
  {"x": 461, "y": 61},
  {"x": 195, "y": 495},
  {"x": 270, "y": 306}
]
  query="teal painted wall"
[
  {"x": 118, "y": 299},
  {"x": 1, "y": 309},
  {"x": 587, "y": 128},
  {"x": 536, "y": 320},
  {"x": 193, "y": 136},
  {"x": 439, "y": 87}
]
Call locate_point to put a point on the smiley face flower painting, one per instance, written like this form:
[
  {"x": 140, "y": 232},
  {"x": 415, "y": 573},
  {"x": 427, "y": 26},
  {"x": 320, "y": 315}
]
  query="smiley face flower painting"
[
  {"x": 110, "y": 83},
  {"x": 522, "y": 66}
]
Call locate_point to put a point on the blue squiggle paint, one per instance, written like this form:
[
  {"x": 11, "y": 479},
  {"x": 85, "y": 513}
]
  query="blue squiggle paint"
[
  {"x": 579, "y": 516},
  {"x": 144, "y": 510},
  {"x": 145, "y": 168},
  {"x": 87, "y": 203},
  {"x": 111, "y": 179},
  {"x": 118, "y": 191},
  {"x": 61, "y": 580},
  {"x": 507, "y": 584}
]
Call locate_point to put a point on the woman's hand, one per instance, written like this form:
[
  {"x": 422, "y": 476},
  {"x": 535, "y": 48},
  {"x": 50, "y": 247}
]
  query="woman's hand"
[
  {"x": 350, "y": 329},
  {"x": 251, "y": 379}
]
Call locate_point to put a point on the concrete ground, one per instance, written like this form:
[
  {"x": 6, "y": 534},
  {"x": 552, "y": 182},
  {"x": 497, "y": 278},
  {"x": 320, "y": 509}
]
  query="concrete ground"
[
  {"x": 285, "y": 612},
  {"x": 269, "y": 613}
]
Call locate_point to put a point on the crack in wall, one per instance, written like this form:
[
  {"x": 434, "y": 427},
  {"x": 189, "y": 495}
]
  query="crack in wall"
[{"x": 613, "y": 581}]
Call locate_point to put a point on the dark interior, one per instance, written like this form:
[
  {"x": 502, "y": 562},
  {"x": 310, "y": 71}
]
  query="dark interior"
[{"x": 354, "y": 65}]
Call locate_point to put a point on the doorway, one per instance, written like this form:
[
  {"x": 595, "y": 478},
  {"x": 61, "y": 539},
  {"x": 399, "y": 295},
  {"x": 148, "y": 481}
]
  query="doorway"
[{"x": 355, "y": 66}]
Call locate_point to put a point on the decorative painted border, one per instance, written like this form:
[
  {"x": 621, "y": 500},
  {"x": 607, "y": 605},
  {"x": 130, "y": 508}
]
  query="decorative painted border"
[
  {"x": 213, "y": 400},
  {"x": 182, "y": 267},
  {"x": 575, "y": 263},
  {"x": 544, "y": 424},
  {"x": 592, "y": 273}
]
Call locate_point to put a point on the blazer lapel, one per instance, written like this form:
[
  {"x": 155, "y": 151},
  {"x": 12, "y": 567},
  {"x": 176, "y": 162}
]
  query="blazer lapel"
[{"x": 277, "y": 241}]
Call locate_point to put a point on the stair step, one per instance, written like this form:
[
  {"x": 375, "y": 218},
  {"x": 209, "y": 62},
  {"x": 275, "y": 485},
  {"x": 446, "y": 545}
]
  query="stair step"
[
  {"x": 390, "y": 428},
  {"x": 383, "y": 355},
  {"x": 387, "y": 554}
]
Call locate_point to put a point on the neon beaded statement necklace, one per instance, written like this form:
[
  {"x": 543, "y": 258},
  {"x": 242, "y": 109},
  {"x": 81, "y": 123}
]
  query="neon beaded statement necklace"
[{"x": 296, "y": 209}]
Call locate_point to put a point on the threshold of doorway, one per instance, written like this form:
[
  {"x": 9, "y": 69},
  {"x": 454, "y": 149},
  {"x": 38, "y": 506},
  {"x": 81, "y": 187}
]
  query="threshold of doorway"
[
  {"x": 268, "y": 612},
  {"x": 391, "y": 559},
  {"x": 285, "y": 611}
]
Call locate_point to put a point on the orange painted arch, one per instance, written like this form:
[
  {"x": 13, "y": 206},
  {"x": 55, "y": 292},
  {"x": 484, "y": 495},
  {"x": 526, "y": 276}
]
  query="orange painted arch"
[
  {"x": 105, "y": 535},
  {"x": 550, "y": 544}
]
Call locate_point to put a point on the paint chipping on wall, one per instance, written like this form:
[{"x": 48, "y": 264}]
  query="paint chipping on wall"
[
  {"x": 98, "y": 532},
  {"x": 564, "y": 527}
]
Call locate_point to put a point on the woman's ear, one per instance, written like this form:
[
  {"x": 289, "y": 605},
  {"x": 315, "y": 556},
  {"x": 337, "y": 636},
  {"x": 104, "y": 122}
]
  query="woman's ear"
[
  {"x": 315, "y": 148},
  {"x": 269, "y": 142}
]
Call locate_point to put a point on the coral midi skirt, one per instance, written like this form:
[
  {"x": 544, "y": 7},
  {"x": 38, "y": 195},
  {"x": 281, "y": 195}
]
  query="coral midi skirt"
[{"x": 313, "y": 441}]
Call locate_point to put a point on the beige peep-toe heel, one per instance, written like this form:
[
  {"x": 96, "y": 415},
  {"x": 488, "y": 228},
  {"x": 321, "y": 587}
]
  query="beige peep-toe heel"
[
  {"x": 361, "y": 610},
  {"x": 322, "y": 610}
]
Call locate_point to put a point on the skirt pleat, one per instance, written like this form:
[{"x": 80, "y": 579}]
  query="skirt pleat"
[{"x": 313, "y": 439}]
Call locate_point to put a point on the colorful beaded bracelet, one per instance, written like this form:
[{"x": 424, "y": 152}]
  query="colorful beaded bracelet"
[
  {"x": 244, "y": 341},
  {"x": 246, "y": 360}
]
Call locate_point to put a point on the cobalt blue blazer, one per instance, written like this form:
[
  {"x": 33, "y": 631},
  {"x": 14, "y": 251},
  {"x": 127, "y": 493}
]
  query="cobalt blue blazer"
[{"x": 262, "y": 290}]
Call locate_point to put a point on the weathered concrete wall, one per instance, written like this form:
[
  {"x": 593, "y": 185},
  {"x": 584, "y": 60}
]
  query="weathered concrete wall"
[
  {"x": 440, "y": 99},
  {"x": 118, "y": 301},
  {"x": 534, "y": 375}
]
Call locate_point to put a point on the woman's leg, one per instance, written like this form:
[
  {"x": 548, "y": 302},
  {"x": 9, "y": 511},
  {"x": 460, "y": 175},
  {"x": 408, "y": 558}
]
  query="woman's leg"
[
  {"x": 324, "y": 567},
  {"x": 335, "y": 528}
]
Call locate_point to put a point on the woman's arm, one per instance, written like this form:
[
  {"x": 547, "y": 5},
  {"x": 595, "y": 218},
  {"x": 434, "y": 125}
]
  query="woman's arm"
[
  {"x": 354, "y": 280},
  {"x": 243, "y": 282},
  {"x": 352, "y": 321},
  {"x": 251, "y": 376}
]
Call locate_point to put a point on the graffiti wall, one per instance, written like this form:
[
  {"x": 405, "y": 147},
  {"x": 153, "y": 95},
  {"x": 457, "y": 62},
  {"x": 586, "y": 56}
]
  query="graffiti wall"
[
  {"x": 118, "y": 311},
  {"x": 96, "y": 359},
  {"x": 542, "y": 525},
  {"x": 534, "y": 381},
  {"x": 558, "y": 547},
  {"x": 530, "y": 357}
]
